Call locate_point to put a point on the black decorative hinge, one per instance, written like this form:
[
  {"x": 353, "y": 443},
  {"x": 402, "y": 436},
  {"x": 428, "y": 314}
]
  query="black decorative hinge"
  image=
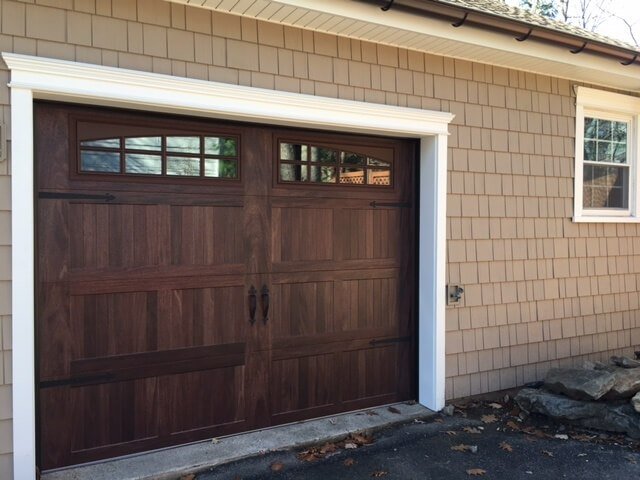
[
  {"x": 375, "y": 204},
  {"x": 107, "y": 197}
]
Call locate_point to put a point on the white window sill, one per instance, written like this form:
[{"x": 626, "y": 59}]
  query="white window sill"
[{"x": 605, "y": 219}]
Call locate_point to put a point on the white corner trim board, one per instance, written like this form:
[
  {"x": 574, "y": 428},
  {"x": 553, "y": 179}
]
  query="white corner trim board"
[{"x": 43, "y": 78}]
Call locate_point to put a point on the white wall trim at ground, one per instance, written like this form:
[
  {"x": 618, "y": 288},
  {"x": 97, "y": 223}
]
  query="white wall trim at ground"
[{"x": 42, "y": 78}]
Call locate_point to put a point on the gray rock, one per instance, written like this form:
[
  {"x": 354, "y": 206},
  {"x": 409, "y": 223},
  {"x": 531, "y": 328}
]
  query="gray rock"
[
  {"x": 625, "y": 362},
  {"x": 448, "y": 410},
  {"x": 635, "y": 402},
  {"x": 579, "y": 383},
  {"x": 627, "y": 384},
  {"x": 611, "y": 417}
]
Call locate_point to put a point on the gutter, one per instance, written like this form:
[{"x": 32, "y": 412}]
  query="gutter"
[{"x": 520, "y": 31}]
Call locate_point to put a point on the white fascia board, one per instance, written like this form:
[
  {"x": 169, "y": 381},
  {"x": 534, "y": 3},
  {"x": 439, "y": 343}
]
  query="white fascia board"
[
  {"x": 533, "y": 56},
  {"x": 89, "y": 83}
]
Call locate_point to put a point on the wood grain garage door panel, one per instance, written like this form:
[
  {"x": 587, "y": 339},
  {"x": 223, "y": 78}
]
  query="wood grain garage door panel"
[{"x": 177, "y": 305}]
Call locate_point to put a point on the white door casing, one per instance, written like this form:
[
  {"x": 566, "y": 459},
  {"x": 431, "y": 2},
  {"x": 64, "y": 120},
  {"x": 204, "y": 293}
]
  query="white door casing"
[{"x": 34, "y": 78}]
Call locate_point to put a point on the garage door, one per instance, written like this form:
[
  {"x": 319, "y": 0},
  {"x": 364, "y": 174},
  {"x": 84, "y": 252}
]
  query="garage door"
[{"x": 197, "y": 279}]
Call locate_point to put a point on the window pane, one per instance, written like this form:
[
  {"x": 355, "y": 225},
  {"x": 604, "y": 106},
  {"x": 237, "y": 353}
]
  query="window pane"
[
  {"x": 143, "y": 143},
  {"x": 220, "y": 146},
  {"x": 143, "y": 164},
  {"x": 292, "y": 151},
  {"x": 619, "y": 152},
  {"x": 352, "y": 158},
  {"x": 605, "y": 187},
  {"x": 604, "y": 152},
  {"x": 377, "y": 163},
  {"x": 108, "y": 162},
  {"x": 219, "y": 168},
  {"x": 590, "y": 127},
  {"x": 379, "y": 177},
  {"x": 293, "y": 173},
  {"x": 590, "y": 150},
  {"x": 325, "y": 155},
  {"x": 604, "y": 129},
  {"x": 183, "y": 166},
  {"x": 104, "y": 143},
  {"x": 619, "y": 132},
  {"x": 354, "y": 176},
  {"x": 323, "y": 174},
  {"x": 183, "y": 144}
]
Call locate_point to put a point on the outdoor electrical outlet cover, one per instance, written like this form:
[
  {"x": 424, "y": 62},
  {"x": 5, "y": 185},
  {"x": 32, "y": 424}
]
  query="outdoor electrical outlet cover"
[{"x": 454, "y": 294}]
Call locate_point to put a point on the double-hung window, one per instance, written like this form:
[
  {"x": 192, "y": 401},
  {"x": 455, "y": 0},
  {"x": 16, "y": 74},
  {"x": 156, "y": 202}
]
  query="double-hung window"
[{"x": 606, "y": 169}]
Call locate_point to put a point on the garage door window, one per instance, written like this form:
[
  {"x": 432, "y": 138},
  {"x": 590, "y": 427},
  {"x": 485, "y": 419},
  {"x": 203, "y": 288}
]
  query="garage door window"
[
  {"x": 324, "y": 165},
  {"x": 199, "y": 156}
]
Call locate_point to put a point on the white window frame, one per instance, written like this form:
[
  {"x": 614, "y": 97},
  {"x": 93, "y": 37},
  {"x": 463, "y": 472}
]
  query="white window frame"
[{"x": 609, "y": 106}]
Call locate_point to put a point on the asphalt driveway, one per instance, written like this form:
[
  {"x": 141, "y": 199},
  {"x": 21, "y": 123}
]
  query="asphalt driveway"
[{"x": 478, "y": 441}]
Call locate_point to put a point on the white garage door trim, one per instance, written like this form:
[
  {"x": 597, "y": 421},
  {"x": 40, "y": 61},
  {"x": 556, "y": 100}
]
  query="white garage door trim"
[{"x": 42, "y": 78}]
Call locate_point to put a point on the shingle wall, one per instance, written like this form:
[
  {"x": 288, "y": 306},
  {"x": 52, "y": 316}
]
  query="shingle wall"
[{"x": 539, "y": 289}]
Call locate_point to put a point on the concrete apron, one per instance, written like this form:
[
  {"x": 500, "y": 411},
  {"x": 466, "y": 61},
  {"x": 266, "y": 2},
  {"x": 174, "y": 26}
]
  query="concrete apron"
[{"x": 171, "y": 463}]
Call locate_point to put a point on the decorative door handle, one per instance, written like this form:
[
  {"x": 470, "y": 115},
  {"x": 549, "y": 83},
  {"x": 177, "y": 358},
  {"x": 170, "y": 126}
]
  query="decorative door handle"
[
  {"x": 264, "y": 297},
  {"x": 253, "y": 304}
]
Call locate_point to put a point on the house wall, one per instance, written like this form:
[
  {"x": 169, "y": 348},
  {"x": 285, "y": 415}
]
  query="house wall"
[{"x": 540, "y": 290}]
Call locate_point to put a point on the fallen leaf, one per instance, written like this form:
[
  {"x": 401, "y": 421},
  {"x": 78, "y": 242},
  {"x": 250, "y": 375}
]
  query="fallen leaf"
[
  {"x": 476, "y": 471},
  {"x": 506, "y": 447},
  {"x": 465, "y": 448},
  {"x": 215, "y": 440},
  {"x": 418, "y": 421},
  {"x": 350, "y": 446},
  {"x": 393, "y": 410},
  {"x": 451, "y": 433},
  {"x": 582, "y": 455},
  {"x": 439, "y": 420},
  {"x": 513, "y": 425},
  {"x": 308, "y": 456},
  {"x": 371, "y": 413},
  {"x": 489, "y": 418},
  {"x": 581, "y": 437},
  {"x": 190, "y": 476},
  {"x": 561, "y": 436},
  {"x": 349, "y": 462},
  {"x": 277, "y": 466},
  {"x": 472, "y": 430},
  {"x": 547, "y": 453},
  {"x": 495, "y": 406},
  {"x": 379, "y": 473},
  {"x": 361, "y": 438}
]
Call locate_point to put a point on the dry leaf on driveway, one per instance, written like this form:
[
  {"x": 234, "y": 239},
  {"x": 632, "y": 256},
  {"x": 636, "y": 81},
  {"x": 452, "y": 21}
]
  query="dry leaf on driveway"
[
  {"x": 513, "y": 425},
  {"x": 489, "y": 418},
  {"x": 547, "y": 453},
  {"x": 349, "y": 462},
  {"x": 465, "y": 448},
  {"x": 451, "y": 433},
  {"x": 476, "y": 471},
  {"x": 473, "y": 430},
  {"x": 277, "y": 466},
  {"x": 393, "y": 410},
  {"x": 495, "y": 406},
  {"x": 190, "y": 476},
  {"x": 506, "y": 447},
  {"x": 379, "y": 473}
]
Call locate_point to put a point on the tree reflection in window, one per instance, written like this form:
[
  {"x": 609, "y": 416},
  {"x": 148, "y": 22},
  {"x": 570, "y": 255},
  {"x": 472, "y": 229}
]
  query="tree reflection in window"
[
  {"x": 325, "y": 165},
  {"x": 195, "y": 156}
]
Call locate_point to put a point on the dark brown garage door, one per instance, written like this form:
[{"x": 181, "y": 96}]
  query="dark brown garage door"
[{"x": 197, "y": 279}]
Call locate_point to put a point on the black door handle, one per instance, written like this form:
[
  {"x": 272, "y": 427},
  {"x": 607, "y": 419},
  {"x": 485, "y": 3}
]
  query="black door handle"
[
  {"x": 264, "y": 298},
  {"x": 253, "y": 304}
]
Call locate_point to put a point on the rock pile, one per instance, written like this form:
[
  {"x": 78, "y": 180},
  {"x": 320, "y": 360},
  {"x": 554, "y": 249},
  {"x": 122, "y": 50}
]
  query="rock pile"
[{"x": 601, "y": 396}]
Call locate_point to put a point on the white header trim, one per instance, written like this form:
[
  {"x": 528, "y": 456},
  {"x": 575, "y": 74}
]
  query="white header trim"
[
  {"x": 33, "y": 78},
  {"x": 84, "y": 82}
]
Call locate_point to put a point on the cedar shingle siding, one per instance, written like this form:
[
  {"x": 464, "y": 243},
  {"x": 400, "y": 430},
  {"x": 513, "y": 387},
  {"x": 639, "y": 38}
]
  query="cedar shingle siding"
[{"x": 540, "y": 291}]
